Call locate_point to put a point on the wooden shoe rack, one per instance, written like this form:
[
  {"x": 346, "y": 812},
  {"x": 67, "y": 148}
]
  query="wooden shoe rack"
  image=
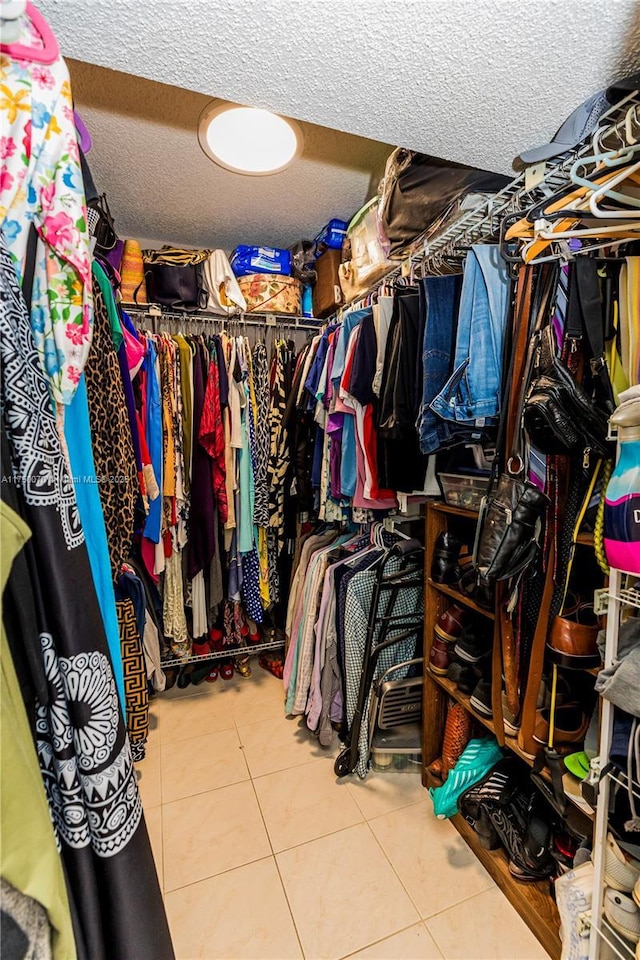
[{"x": 533, "y": 901}]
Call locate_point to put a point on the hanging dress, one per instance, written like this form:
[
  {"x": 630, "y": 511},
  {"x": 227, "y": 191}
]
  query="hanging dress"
[{"x": 83, "y": 749}]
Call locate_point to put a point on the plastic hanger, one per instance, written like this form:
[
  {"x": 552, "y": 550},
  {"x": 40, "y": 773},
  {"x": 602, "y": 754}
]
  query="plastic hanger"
[
  {"x": 47, "y": 53},
  {"x": 605, "y": 190}
]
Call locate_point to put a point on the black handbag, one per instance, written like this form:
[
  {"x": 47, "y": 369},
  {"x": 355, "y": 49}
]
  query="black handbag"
[
  {"x": 173, "y": 285},
  {"x": 174, "y": 278},
  {"x": 101, "y": 224},
  {"x": 510, "y": 522},
  {"x": 511, "y": 516},
  {"x": 559, "y": 415}
]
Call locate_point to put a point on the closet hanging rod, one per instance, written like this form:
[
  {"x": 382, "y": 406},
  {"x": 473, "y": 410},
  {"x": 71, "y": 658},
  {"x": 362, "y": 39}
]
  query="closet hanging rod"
[
  {"x": 482, "y": 222},
  {"x": 252, "y": 319}
]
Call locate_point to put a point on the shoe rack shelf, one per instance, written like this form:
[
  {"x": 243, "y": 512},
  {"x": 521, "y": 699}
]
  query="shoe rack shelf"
[
  {"x": 230, "y": 651},
  {"x": 461, "y": 598},
  {"x": 450, "y": 688},
  {"x": 533, "y": 901}
]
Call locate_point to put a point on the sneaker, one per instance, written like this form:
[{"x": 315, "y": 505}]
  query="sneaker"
[
  {"x": 525, "y": 837},
  {"x": 497, "y": 786},
  {"x": 451, "y": 623},
  {"x": 511, "y": 723},
  {"x": 470, "y": 648},
  {"x": 463, "y": 675},
  {"x": 621, "y": 872},
  {"x": 481, "y": 699},
  {"x": 439, "y": 656},
  {"x": 623, "y": 914}
]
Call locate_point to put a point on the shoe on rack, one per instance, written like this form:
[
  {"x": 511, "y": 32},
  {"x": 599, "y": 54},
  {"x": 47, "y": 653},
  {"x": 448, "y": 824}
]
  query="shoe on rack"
[
  {"x": 439, "y": 656},
  {"x": 243, "y": 666},
  {"x": 526, "y": 838},
  {"x": 621, "y": 872},
  {"x": 498, "y": 785},
  {"x": 570, "y": 727},
  {"x": 464, "y": 675},
  {"x": 444, "y": 566},
  {"x": 200, "y": 672},
  {"x": 511, "y": 723},
  {"x": 226, "y": 670},
  {"x": 457, "y": 733},
  {"x": 201, "y": 648},
  {"x": 470, "y": 648},
  {"x": 452, "y": 622},
  {"x": 481, "y": 698},
  {"x": 623, "y": 914}
]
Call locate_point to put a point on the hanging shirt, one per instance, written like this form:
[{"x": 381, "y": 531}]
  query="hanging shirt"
[
  {"x": 153, "y": 432},
  {"x": 42, "y": 184}
]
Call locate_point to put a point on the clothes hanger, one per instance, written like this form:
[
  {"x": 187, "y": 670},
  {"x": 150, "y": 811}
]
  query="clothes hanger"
[
  {"x": 606, "y": 191},
  {"x": 16, "y": 12},
  {"x": 555, "y": 207}
]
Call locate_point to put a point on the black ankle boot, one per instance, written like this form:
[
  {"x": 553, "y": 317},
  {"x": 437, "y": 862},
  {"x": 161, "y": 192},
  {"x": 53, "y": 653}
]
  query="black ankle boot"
[{"x": 444, "y": 567}]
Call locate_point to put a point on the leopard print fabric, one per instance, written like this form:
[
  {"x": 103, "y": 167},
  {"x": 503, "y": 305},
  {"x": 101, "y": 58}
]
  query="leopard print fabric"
[{"x": 111, "y": 436}]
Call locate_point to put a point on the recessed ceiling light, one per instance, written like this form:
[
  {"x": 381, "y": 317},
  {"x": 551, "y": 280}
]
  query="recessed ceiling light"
[{"x": 247, "y": 140}]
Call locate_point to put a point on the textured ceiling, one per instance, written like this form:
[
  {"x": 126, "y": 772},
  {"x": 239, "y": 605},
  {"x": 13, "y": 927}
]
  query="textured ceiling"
[
  {"x": 469, "y": 80},
  {"x": 162, "y": 187}
]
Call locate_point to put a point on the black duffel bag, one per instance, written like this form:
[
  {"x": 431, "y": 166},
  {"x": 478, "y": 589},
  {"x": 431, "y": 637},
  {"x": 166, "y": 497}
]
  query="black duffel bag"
[{"x": 421, "y": 191}]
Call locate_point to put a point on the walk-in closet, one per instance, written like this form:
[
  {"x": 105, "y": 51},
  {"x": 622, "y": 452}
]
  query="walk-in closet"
[{"x": 320, "y": 486}]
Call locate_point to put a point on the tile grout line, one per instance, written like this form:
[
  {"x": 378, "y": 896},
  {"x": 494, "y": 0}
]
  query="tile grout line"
[
  {"x": 277, "y": 866},
  {"x": 437, "y": 912},
  {"x": 374, "y": 943},
  {"x": 388, "y": 859},
  {"x": 214, "y": 876}
]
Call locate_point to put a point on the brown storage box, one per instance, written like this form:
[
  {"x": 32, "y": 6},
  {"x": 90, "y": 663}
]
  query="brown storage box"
[{"x": 327, "y": 293}]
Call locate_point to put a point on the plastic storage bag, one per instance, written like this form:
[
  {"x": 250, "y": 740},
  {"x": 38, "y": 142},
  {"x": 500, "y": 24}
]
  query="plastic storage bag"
[{"x": 246, "y": 259}]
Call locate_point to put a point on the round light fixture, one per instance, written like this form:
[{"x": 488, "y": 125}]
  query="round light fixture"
[{"x": 247, "y": 140}]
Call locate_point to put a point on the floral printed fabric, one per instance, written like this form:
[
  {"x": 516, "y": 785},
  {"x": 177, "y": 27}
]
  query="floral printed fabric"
[{"x": 41, "y": 183}]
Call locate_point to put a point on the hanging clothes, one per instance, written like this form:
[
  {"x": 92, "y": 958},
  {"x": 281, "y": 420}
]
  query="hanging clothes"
[
  {"x": 42, "y": 184},
  {"x": 29, "y": 856},
  {"x": 81, "y": 738},
  {"x": 110, "y": 427}
]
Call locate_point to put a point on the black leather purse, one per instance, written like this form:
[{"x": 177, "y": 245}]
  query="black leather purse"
[
  {"x": 511, "y": 524},
  {"x": 174, "y": 278},
  {"x": 511, "y": 516},
  {"x": 559, "y": 415}
]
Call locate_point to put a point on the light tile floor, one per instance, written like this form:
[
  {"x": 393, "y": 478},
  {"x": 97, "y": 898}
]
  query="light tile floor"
[{"x": 262, "y": 853}]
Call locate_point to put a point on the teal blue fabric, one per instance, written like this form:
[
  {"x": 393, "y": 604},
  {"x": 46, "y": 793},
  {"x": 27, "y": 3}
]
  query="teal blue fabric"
[
  {"x": 477, "y": 759},
  {"x": 77, "y": 433},
  {"x": 247, "y": 482}
]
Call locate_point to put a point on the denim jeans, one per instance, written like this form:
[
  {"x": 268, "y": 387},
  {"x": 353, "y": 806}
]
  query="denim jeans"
[
  {"x": 439, "y": 298},
  {"x": 472, "y": 393}
]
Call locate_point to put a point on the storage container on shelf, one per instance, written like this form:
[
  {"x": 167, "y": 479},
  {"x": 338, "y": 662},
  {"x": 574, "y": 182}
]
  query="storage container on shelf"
[
  {"x": 332, "y": 235},
  {"x": 465, "y": 491},
  {"x": 246, "y": 260},
  {"x": 271, "y": 293}
]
